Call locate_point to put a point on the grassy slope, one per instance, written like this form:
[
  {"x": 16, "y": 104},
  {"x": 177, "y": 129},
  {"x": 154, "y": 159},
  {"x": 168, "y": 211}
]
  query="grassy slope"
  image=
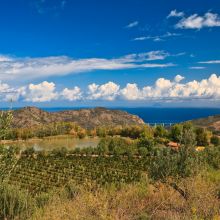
[{"x": 211, "y": 122}]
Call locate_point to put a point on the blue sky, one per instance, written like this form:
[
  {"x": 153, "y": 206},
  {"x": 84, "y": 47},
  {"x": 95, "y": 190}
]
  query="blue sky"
[{"x": 110, "y": 53}]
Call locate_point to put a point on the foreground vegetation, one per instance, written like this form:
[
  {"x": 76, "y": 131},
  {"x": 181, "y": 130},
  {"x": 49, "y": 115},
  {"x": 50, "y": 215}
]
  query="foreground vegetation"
[
  {"x": 162, "y": 183},
  {"x": 123, "y": 178}
]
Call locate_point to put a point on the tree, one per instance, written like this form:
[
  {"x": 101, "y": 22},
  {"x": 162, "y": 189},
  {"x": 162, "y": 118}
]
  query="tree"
[
  {"x": 175, "y": 132},
  {"x": 202, "y": 137},
  {"x": 102, "y": 149},
  {"x": 215, "y": 140},
  {"x": 168, "y": 166},
  {"x": 81, "y": 133},
  {"x": 143, "y": 151},
  {"x": 188, "y": 136},
  {"x": 101, "y": 132},
  {"x": 146, "y": 142},
  {"x": 160, "y": 131},
  {"x": 213, "y": 156},
  {"x": 5, "y": 122},
  {"x": 187, "y": 158}
]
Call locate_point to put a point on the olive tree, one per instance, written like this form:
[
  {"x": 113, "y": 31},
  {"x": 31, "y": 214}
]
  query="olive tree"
[
  {"x": 170, "y": 166},
  {"x": 5, "y": 122}
]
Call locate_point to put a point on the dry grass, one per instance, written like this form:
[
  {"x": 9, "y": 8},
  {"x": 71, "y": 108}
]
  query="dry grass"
[
  {"x": 106, "y": 204},
  {"x": 139, "y": 201}
]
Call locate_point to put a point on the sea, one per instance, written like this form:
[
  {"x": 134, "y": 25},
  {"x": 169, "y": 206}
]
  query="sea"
[{"x": 156, "y": 115}]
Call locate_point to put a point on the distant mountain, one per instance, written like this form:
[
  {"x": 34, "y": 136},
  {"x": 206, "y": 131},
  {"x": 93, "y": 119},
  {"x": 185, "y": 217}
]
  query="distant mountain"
[
  {"x": 211, "y": 122},
  {"x": 86, "y": 118}
]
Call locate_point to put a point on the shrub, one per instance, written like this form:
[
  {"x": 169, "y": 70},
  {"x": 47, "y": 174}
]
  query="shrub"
[
  {"x": 212, "y": 157},
  {"x": 202, "y": 137},
  {"x": 160, "y": 131},
  {"x": 215, "y": 140},
  {"x": 15, "y": 203}
]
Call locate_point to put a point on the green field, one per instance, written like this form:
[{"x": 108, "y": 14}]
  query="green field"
[{"x": 44, "y": 173}]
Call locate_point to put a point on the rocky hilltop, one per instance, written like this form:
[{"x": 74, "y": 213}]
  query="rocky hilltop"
[
  {"x": 86, "y": 118},
  {"x": 211, "y": 122}
]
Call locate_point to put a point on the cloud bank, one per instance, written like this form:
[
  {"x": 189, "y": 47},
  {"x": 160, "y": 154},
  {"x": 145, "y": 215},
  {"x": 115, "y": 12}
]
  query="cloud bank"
[
  {"x": 12, "y": 68},
  {"x": 162, "y": 89}
]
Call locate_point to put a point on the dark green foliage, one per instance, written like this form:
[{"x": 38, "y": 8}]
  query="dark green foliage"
[
  {"x": 102, "y": 148},
  {"x": 29, "y": 151},
  {"x": 215, "y": 140},
  {"x": 116, "y": 146},
  {"x": 143, "y": 151},
  {"x": 145, "y": 142},
  {"x": 212, "y": 156},
  {"x": 183, "y": 163},
  {"x": 60, "y": 152},
  {"x": 41, "y": 174},
  {"x": 202, "y": 137},
  {"x": 175, "y": 132}
]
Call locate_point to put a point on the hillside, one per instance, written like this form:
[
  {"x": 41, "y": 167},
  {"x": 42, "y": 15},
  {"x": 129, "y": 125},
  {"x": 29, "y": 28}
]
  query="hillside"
[
  {"x": 86, "y": 118},
  {"x": 211, "y": 122}
]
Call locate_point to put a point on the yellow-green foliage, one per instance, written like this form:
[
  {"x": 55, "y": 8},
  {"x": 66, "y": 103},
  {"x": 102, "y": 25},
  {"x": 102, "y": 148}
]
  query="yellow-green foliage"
[
  {"x": 5, "y": 121},
  {"x": 15, "y": 203},
  {"x": 137, "y": 201}
]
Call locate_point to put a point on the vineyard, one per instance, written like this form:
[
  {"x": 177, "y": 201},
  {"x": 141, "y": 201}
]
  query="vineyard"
[{"x": 40, "y": 174}]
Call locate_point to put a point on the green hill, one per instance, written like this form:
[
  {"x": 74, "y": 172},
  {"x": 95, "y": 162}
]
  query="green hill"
[
  {"x": 86, "y": 118},
  {"x": 211, "y": 122}
]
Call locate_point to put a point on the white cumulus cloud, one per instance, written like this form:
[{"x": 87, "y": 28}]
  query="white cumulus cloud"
[
  {"x": 72, "y": 94},
  {"x": 162, "y": 89},
  {"x": 107, "y": 91},
  {"x": 131, "y": 92},
  {"x": 196, "y": 21},
  {"x": 178, "y": 78},
  {"x": 174, "y": 89},
  {"x": 42, "y": 92}
]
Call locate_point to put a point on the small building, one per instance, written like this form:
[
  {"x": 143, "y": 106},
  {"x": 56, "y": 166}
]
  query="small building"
[{"x": 173, "y": 145}]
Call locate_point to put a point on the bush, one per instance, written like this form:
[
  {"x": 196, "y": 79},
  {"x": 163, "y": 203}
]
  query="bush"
[
  {"x": 215, "y": 140},
  {"x": 60, "y": 152},
  {"x": 175, "y": 132},
  {"x": 160, "y": 131},
  {"x": 202, "y": 137},
  {"x": 15, "y": 203},
  {"x": 212, "y": 157}
]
